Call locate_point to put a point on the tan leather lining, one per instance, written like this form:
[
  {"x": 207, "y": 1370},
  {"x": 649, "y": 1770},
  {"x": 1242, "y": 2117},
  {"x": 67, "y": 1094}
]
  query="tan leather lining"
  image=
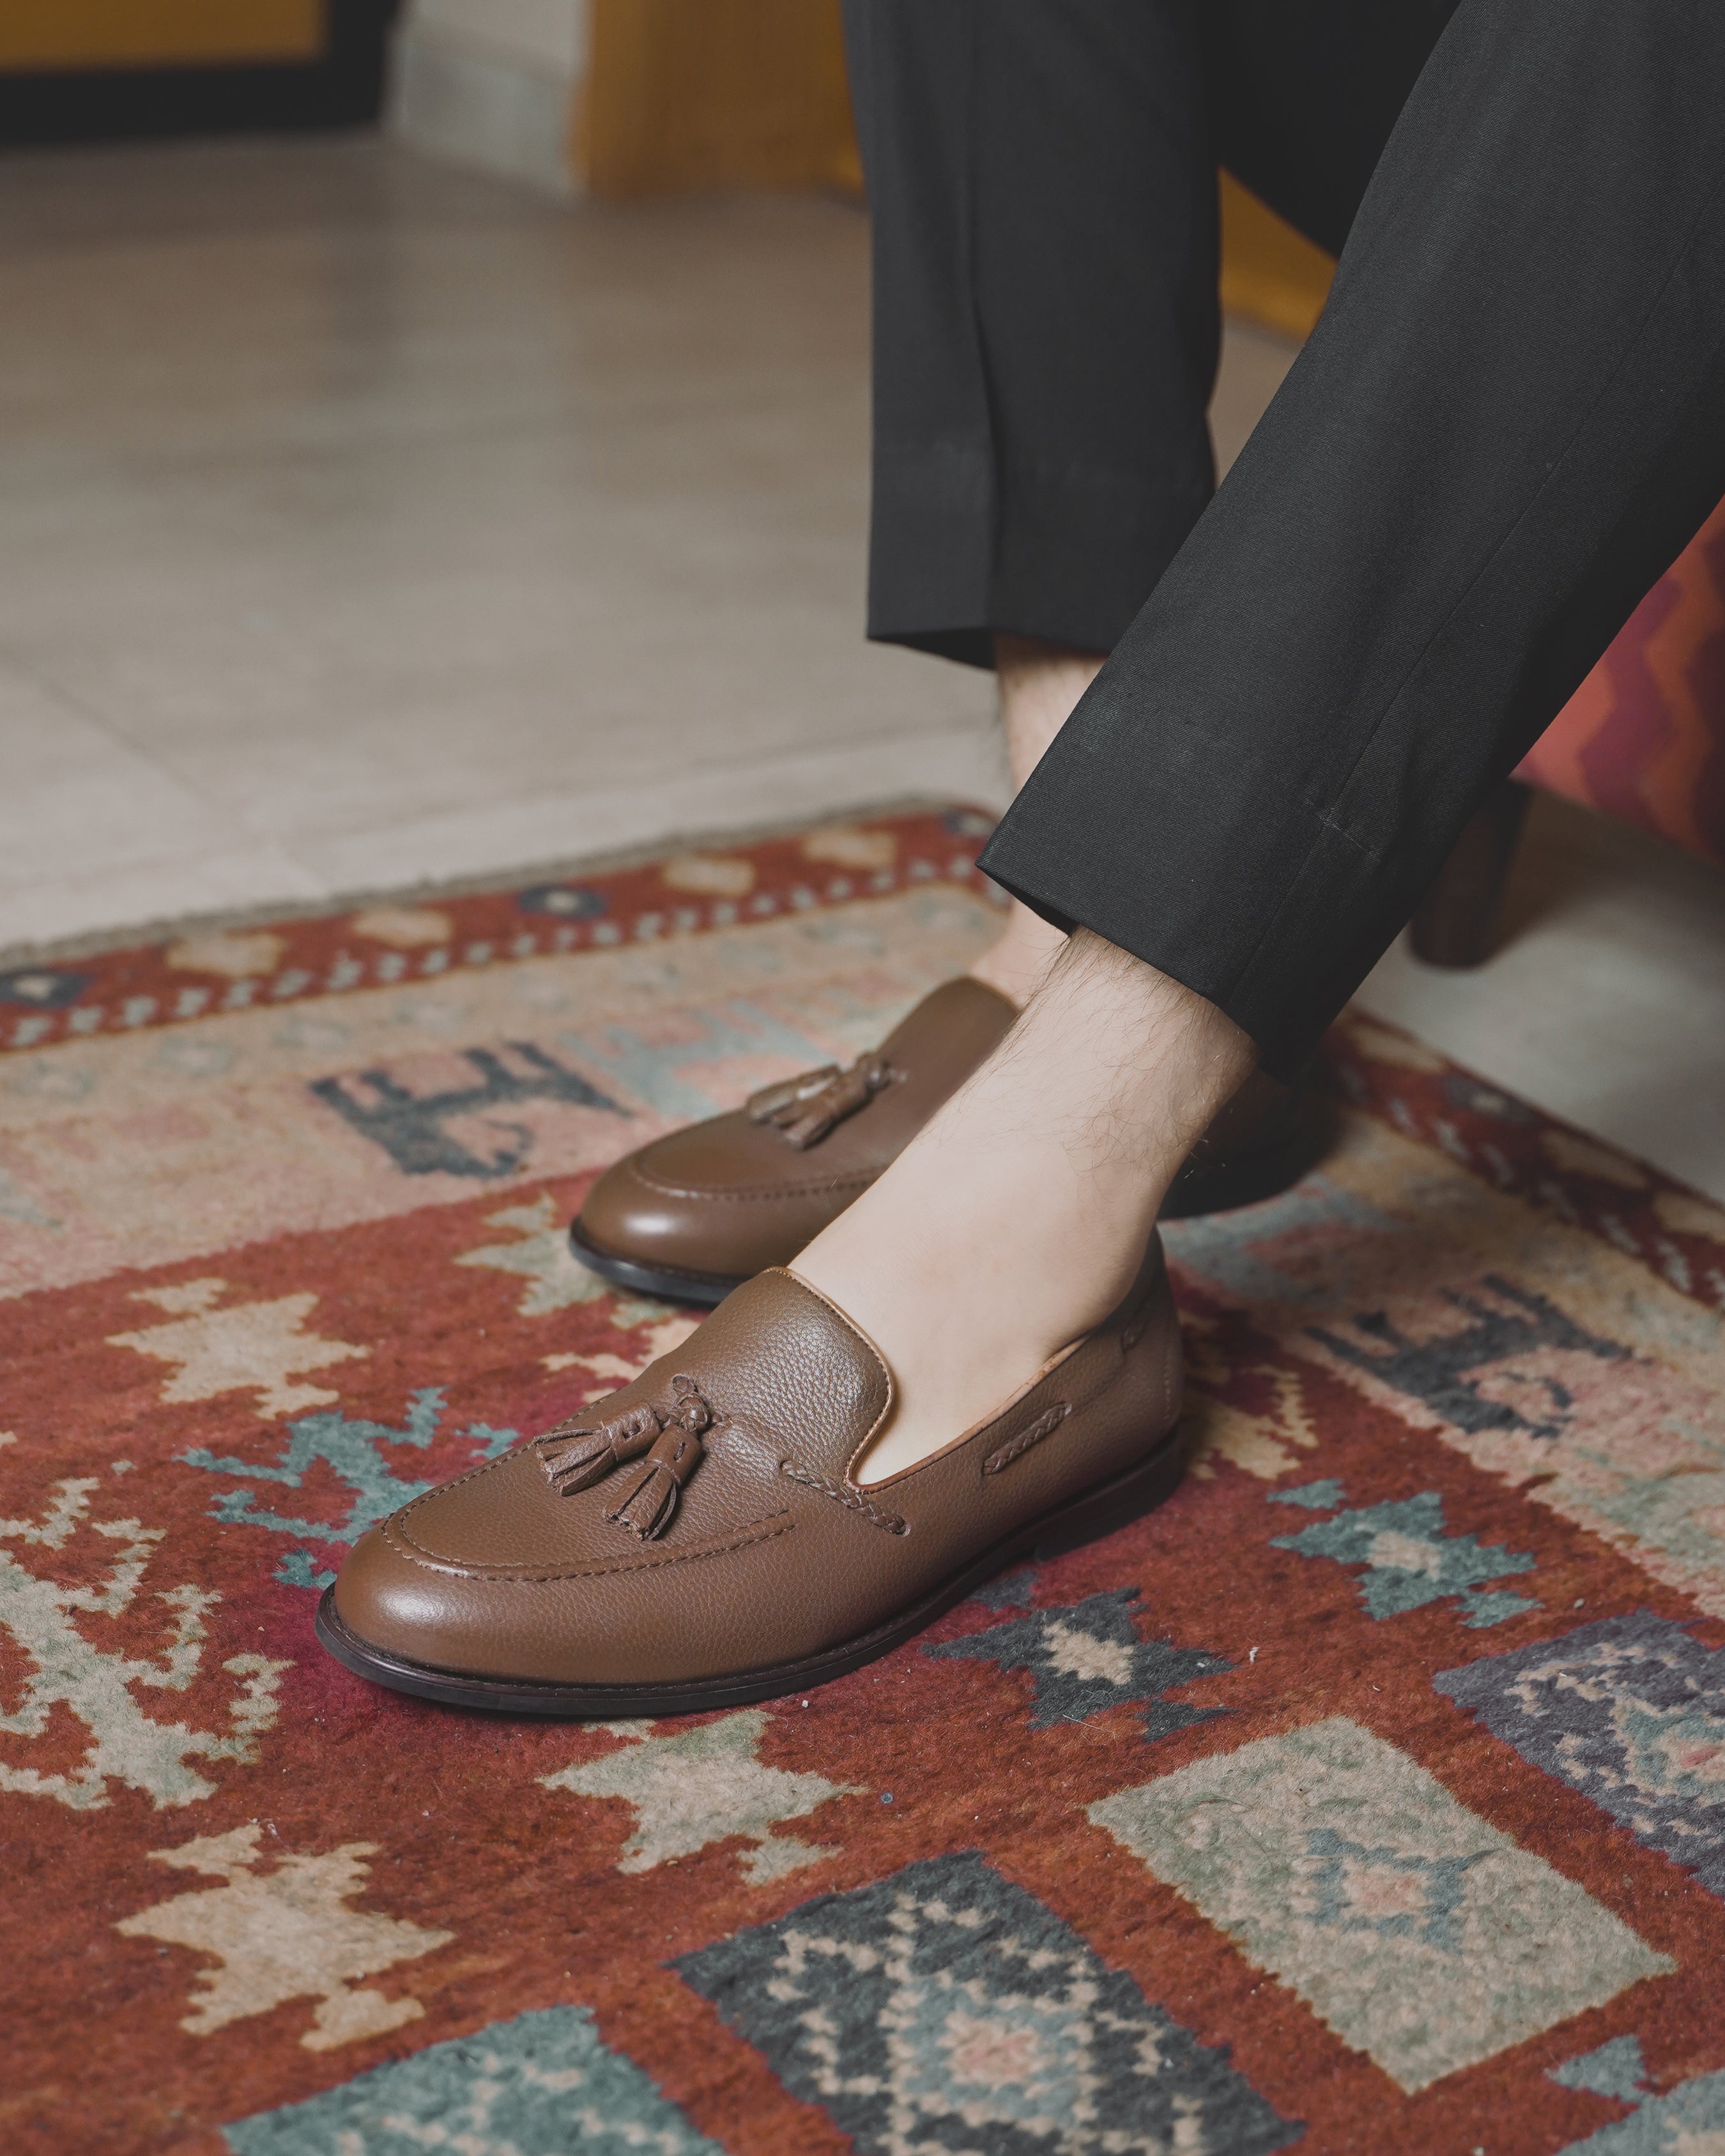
[{"x": 983, "y": 1423}]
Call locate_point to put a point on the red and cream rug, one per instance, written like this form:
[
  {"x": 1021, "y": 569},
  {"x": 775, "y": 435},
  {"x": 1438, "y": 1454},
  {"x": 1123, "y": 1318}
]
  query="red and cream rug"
[{"x": 1369, "y": 1796}]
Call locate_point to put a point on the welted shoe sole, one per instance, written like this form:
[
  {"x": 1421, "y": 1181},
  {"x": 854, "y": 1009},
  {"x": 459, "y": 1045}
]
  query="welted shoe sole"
[{"x": 1098, "y": 1513}]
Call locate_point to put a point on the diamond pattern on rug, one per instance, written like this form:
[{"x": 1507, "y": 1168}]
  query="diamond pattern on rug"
[
  {"x": 541, "y": 2085},
  {"x": 1088, "y": 1656},
  {"x": 1424, "y": 1937},
  {"x": 1686, "y": 2121},
  {"x": 1410, "y": 1558},
  {"x": 1631, "y": 1712},
  {"x": 704, "y": 1785},
  {"x": 944, "y": 2009}
]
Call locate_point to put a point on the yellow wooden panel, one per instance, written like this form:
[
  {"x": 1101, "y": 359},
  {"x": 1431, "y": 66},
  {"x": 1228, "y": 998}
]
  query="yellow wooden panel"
[
  {"x": 684, "y": 93},
  {"x": 1270, "y": 273},
  {"x": 39, "y": 34}
]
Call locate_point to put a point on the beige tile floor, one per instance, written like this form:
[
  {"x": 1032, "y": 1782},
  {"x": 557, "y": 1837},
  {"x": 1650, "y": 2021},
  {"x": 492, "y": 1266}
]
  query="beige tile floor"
[{"x": 363, "y": 522}]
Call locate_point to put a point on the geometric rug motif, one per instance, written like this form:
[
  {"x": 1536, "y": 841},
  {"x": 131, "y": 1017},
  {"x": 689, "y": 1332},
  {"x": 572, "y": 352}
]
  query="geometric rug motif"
[
  {"x": 284, "y": 1933},
  {"x": 696, "y": 1786},
  {"x": 1442, "y": 1372},
  {"x": 541, "y": 2085},
  {"x": 1422, "y": 1936},
  {"x": 1631, "y": 1712},
  {"x": 944, "y": 2009},
  {"x": 1088, "y": 1657},
  {"x": 1410, "y": 1559},
  {"x": 347, "y": 1448},
  {"x": 69, "y": 1681},
  {"x": 242, "y": 1317},
  {"x": 1686, "y": 2121}
]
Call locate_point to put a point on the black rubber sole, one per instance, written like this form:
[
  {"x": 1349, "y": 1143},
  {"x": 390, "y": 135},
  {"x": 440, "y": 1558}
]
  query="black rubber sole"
[
  {"x": 665, "y": 1282},
  {"x": 1099, "y": 1512}
]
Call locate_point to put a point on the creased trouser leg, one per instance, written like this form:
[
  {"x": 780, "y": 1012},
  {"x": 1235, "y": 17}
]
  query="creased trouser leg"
[
  {"x": 1509, "y": 421},
  {"x": 1043, "y": 194}
]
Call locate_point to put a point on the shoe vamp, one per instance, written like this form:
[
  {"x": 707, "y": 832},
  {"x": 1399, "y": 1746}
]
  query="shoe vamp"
[
  {"x": 734, "y": 1157},
  {"x": 782, "y": 1376},
  {"x": 509, "y": 1521}
]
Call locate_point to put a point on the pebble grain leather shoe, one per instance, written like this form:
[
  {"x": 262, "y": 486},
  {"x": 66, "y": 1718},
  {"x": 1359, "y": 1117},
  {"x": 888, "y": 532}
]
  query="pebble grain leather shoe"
[
  {"x": 700, "y": 1539},
  {"x": 695, "y": 1213}
]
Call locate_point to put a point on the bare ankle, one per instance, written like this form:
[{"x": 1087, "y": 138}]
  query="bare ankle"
[
  {"x": 1039, "y": 684},
  {"x": 1019, "y": 1216},
  {"x": 1014, "y": 965}
]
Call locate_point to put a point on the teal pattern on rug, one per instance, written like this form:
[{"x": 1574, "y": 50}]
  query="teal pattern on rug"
[
  {"x": 946, "y": 2008},
  {"x": 541, "y": 2085},
  {"x": 1686, "y": 2121},
  {"x": 349, "y": 1446},
  {"x": 1410, "y": 1557},
  {"x": 1087, "y": 1656}
]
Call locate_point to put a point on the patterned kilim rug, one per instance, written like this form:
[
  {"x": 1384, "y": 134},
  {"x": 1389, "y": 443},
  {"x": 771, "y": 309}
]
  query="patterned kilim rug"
[{"x": 1370, "y": 1796}]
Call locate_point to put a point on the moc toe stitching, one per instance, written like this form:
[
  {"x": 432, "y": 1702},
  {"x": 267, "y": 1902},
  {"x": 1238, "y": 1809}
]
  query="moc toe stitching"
[
  {"x": 411, "y": 1552},
  {"x": 709, "y": 1193}
]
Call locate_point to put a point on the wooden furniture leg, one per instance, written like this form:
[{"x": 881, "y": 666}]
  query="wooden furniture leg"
[{"x": 1457, "y": 923}]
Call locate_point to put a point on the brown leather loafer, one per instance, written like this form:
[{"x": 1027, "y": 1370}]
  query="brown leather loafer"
[
  {"x": 694, "y": 1215},
  {"x": 700, "y": 1539}
]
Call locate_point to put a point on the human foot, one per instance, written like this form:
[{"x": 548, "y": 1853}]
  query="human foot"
[
  {"x": 693, "y": 1214},
  {"x": 698, "y": 1540},
  {"x": 1018, "y": 1216}
]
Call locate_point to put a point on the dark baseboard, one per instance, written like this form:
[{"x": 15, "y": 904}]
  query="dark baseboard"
[{"x": 342, "y": 88}]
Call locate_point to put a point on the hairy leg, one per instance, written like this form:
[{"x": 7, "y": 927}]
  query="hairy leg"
[
  {"x": 1018, "y": 1219},
  {"x": 1039, "y": 684}
]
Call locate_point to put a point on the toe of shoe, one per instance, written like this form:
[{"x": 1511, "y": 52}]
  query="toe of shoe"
[{"x": 402, "y": 1610}]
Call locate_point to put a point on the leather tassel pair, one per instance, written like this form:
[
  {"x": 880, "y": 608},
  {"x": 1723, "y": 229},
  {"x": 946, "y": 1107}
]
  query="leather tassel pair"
[
  {"x": 576, "y": 1458},
  {"x": 648, "y": 1507},
  {"x": 670, "y": 1434},
  {"x": 806, "y": 1109}
]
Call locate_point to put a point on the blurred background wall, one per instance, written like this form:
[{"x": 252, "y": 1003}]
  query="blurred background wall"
[
  {"x": 611, "y": 97},
  {"x": 93, "y": 70}
]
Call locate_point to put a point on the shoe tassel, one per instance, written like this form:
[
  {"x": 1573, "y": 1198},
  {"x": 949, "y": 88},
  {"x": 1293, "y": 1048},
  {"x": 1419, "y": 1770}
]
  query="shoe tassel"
[
  {"x": 806, "y": 1109},
  {"x": 576, "y": 1458},
  {"x": 647, "y": 1508},
  {"x": 670, "y": 1435}
]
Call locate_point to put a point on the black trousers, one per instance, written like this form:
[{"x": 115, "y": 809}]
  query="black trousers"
[{"x": 1509, "y": 421}]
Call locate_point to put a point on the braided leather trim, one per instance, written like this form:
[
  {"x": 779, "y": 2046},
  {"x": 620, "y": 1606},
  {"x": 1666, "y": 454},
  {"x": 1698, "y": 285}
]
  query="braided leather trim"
[
  {"x": 853, "y": 1500},
  {"x": 1043, "y": 1425}
]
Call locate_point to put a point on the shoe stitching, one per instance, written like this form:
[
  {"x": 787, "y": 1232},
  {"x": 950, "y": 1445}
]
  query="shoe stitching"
[
  {"x": 751, "y": 1192},
  {"x": 853, "y": 1500},
  {"x": 758, "y": 1531},
  {"x": 1043, "y": 1426}
]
